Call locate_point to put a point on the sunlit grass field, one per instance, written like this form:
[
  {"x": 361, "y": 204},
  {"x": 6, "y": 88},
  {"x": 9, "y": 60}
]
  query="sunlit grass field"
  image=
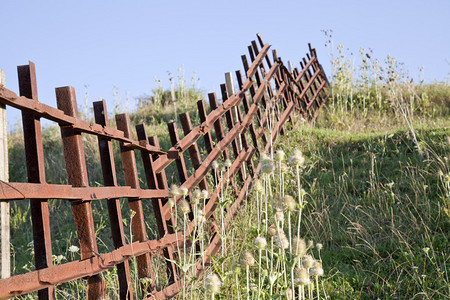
[{"x": 369, "y": 216}]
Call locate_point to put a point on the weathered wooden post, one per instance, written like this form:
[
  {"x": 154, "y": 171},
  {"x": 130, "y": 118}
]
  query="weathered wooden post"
[{"x": 5, "y": 261}]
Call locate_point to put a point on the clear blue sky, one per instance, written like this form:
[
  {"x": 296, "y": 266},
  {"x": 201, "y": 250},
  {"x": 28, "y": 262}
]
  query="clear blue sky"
[{"x": 127, "y": 43}]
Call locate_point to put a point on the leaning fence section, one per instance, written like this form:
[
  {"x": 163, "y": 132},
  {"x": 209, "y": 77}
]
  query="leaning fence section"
[{"x": 242, "y": 124}]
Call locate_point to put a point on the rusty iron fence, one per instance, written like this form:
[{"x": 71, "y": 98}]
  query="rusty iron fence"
[{"x": 269, "y": 96}]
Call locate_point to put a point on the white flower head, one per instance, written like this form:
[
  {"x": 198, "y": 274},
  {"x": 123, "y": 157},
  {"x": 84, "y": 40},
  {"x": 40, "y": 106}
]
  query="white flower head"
[
  {"x": 184, "y": 191},
  {"x": 297, "y": 158},
  {"x": 73, "y": 249},
  {"x": 174, "y": 190},
  {"x": 200, "y": 218},
  {"x": 267, "y": 166},
  {"x": 281, "y": 240},
  {"x": 260, "y": 243},
  {"x": 279, "y": 155},
  {"x": 228, "y": 163},
  {"x": 247, "y": 259},
  {"x": 212, "y": 284},
  {"x": 184, "y": 207},
  {"x": 302, "y": 277},
  {"x": 279, "y": 215},
  {"x": 204, "y": 194},
  {"x": 317, "y": 269}
]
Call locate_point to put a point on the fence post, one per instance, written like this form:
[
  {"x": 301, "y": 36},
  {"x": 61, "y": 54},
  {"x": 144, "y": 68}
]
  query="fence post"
[
  {"x": 5, "y": 261},
  {"x": 231, "y": 91}
]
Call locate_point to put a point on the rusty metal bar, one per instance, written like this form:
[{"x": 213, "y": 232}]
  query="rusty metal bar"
[
  {"x": 35, "y": 280},
  {"x": 202, "y": 115},
  {"x": 174, "y": 139},
  {"x": 40, "y": 110},
  {"x": 34, "y": 154},
  {"x": 230, "y": 125},
  {"x": 215, "y": 114},
  {"x": 246, "y": 108},
  {"x": 114, "y": 211},
  {"x": 194, "y": 153},
  {"x": 134, "y": 204},
  {"x": 21, "y": 190},
  {"x": 218, "y": 127},
  {"x": 252, "y": 94},
  {"x": 152, "y": 182},
  {"x": 77, "y": 176}
]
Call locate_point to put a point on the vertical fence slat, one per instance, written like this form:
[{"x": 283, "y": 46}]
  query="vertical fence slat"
[
  {"x": 161, "y": 180},
  {"x": 114, "y": 211},
  {"x": 218, "y": 128},
  {"x": 252, "y": 94},
  {"x": 230, "y": 125},
  {"x": 181, "y": 166},
  {"x": 5, "y": 250},
  {"x": 157, "y": 204},
  {"x": 34, "y": 154},
  {"x": 77, "y": 176},
  {"x": 246, "y": 105},
  {"x": 194, "y": 153},
  {"x": 202, "y": 115},
  {"x": 138, "y": 230}
]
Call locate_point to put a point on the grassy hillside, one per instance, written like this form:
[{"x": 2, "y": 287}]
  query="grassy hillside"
[{"x": 376, "y": 182}]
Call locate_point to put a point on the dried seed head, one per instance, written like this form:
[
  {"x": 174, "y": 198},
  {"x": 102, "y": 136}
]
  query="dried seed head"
[
  {"x": 171, "y": 203},
  {"x": 289, "y": 294},
  {"x": 272, "y": 230},
  {"x": 289, "y": 203},
  {"x": 253, "y": 287},
  {"x": 228, "y": 163},
  {"x": 236, "y": 268},
  {"x": 301, "y": 277},
  {"x": 281, "y": 240},
  {"x": 174, "y": 190},
  {"x": 212, "y": 284},
  {"x": 184, "y": 207},
  {"x": 308, "y": 261},
  {"x": 184, "y": 191},
  {"x": 247, "y": 259},
  {"x": 297, "y": 158},
  {"x": 205, "y": 194},
  {"x": 284, "y": 168},
  {"x": 215, "y": 165},
  {"x": 279, "y": 215},
  {"x": 264, "y": 156},
  {"x": 200, "y": 218},
  {"x": 279, "y": 155},
  {"x": 317, "y": 269},
  {"x": 196, "y": 196},
  {"x": 267, "y": 166},
  {"x": 73, "y": 249},
  {"x": 298, "y": 247},
  {"x": 260, "y": 242},
  {"x": 257, "y": 186},
  {"x": 319, "y": 246}
]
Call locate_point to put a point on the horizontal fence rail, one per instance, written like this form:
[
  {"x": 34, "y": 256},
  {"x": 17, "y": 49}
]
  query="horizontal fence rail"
[{"x": 268, "y": 97}]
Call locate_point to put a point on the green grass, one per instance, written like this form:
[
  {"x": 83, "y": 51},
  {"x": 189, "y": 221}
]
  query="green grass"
[
  {"x": 376, "y": 204},
  {"x": 380, "y": 209}
]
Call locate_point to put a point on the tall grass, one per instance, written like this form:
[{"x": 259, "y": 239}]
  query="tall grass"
[{"x": 361, "y": 212}]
